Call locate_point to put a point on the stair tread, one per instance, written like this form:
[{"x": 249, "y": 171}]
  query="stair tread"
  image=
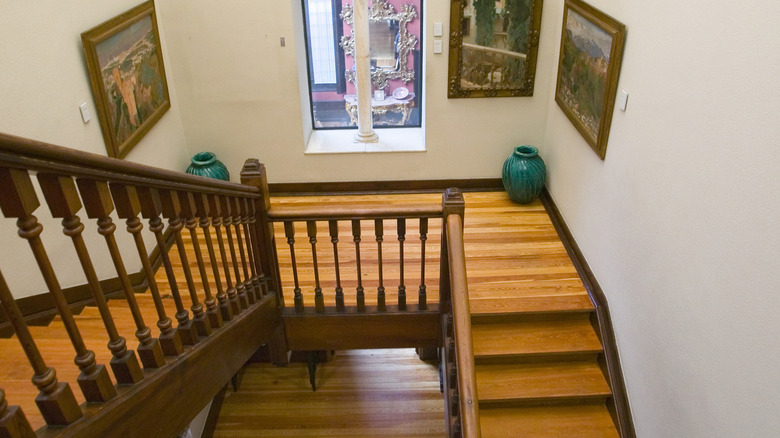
[
  {"x": 591, "y": 421},
  {"x": 575, "y": 335},
  {"x": 531, "y": 381},
  {"x": 536, "y": 304}
]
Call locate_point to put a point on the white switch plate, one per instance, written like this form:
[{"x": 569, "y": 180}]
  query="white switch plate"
[
  {"x": 436, "y": 46},
  {"x": 437, "y": 29},
  {"x": 622, "y": 100},
  {"x": 84, "y": 112}
]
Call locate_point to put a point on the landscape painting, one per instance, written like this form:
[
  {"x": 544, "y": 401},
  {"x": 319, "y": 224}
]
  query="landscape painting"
[
  {"x": 127, "y": 76},
  {"x": 588, "y": 69}
]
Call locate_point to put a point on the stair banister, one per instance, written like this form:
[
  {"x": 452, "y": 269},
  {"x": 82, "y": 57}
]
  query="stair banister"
[
  {"x": 458, "y": 373},
  {"x": 176, "y": 382},
  {"x": 464, "y": 350}
]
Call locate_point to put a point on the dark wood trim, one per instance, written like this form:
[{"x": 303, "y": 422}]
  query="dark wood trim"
[
  {"x": 375, "y": 187},
  {"x": 620, "y": 408},
  {"x": 370, "y": 329},
  {"x": 213, "y": 417},
  {"x": 39, "y": 309},
  {"x": 178, "y": 391},
  {"x": 36, "y": 155}
]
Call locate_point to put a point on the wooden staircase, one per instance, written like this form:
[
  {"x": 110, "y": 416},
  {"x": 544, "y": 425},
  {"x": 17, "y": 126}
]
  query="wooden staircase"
[
  {"x": 536, "y": 351},
  {"x": 540, "y": 364}
]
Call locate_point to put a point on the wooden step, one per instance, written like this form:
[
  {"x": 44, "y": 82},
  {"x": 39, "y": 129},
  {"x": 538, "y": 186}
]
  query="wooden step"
[
  {"x": 541, "y": 383},
  {"x": 592, "y": 421},
  {"x": 519, "y": 307},
  {"x": 533, "y": 340}
]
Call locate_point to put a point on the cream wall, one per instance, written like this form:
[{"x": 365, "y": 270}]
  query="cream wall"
[
  {"x": 43, "y": 79},
  {"x": 240, "y": 96},
  {"x": 680, "y": 222}
]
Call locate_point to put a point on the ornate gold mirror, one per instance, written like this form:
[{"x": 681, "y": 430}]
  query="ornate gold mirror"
[
  {"x": 493, "y": 45},
  {"x": 391, "y": 42}
]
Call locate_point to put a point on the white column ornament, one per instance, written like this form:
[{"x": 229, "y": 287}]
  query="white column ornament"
[{"x": 365, "y": 132}]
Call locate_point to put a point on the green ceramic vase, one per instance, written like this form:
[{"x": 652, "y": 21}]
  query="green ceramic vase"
[
  {"x": 206, "y": 164},
  {"x": 524, "y": 174}
]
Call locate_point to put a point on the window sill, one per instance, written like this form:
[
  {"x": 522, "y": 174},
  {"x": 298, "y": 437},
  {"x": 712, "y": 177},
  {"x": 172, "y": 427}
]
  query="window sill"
[{"x": 341, "y": 141}]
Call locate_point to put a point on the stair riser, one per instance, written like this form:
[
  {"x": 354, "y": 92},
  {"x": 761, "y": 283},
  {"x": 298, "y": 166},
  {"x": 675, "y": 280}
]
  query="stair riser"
[
  {"x": 537, "y": 358},
  {"x": 545, "y": 401},
  {"x": 496, "y": 318}
]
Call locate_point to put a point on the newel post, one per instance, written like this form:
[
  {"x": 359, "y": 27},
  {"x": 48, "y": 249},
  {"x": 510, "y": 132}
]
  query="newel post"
[
  {"x": 254, "y": 174},
  {"x": 452, "y": 203}
]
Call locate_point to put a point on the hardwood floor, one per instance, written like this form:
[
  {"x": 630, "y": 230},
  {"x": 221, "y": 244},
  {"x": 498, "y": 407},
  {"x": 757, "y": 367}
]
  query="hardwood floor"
[{"x": 360, "y": 393}]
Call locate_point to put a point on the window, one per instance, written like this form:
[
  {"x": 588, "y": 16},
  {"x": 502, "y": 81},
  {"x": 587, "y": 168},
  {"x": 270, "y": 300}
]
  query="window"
[{"x": 395, "y": 56}]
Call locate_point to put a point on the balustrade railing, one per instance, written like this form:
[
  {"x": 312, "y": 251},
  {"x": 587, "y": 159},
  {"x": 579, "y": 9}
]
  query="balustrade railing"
[
  {"x": 369, "y": 277},
  {"x": 373, "y": 260},
  {"x": 86, "y": 192}
]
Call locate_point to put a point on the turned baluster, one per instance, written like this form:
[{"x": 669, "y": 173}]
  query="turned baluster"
[
  {"x": 380, "y": 291},
  {"x": 319, "y": 300},
  {"x": 128, "y": 206},
  {"x": 63, "y": 201},
  {"x": 238, "y": 220},
  {"x": 289, "y": 233},
  {"x": 401, "y": 287},
  {"x": 56, "y": 400},
  {"x": 202, "y": 211},
  {"x": 176, "y": 209},
  {"x": 13, "y": 423},
  {"x": 228, "y": 303},
  {"x": 18, "y": 200},
  {"x": 227, "y": 220},
  {"x": 423, "y": 295},
  {"x": 246, "y": 220},
  {"x": 261, "y": 280},
  {"x": 98, "y": 204},
  {"x": 361, "y": 298},
  {"x": 151, "y": 208},
  {"x": 334, "y": 239}
]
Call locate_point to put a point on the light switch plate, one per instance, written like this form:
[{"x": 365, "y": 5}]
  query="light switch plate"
[
  {"x": 436, "y": 46},
  {"x": 85, "y": 116},
  {"x": 622, "y": 100},
  {"x": 437, "y": 31}
]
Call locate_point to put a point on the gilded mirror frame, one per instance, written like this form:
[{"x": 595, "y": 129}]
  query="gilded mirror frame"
[
  {"x": 381, "y": 10},
  {"x": 455, "y": 88}
]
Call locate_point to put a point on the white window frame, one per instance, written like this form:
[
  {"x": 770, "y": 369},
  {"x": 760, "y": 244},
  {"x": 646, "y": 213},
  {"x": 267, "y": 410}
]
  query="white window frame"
[{"x": 337, "y": 141}]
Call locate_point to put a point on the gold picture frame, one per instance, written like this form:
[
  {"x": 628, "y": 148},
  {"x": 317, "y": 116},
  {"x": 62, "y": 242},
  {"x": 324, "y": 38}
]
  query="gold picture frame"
[
  {"x": 493, "y": 47},
  {"x": 127, "y": 75},
  {"x": 588, "y": 70}
]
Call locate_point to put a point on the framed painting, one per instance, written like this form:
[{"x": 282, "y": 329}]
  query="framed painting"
[
  {"x": 493, "y": 47},
  {"x": 588, "y": 70},
  {"x": 126, "y": 71}
]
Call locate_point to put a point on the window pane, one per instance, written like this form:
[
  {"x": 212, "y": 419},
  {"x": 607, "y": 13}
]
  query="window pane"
[
  {"x": 332, "y": 97},
  {"x": 323, "y": 52}
]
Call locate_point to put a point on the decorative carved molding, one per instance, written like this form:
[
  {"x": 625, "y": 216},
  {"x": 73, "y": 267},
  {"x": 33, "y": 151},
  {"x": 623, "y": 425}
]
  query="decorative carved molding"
[{"x": 381, "y": 10}]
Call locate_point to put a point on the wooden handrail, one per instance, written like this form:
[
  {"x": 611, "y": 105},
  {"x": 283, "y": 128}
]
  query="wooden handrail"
[
  {"x": 322, "y": 213},
  {"x": 464, "y": 350},
  {"x": 35, "y": 155}
]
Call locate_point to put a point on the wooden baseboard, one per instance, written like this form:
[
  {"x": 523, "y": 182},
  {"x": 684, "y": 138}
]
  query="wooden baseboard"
[
  {"x": 620, "y": 406},
  {"x": 384, "y": 187},
  {"x": 39, "y": 309}
]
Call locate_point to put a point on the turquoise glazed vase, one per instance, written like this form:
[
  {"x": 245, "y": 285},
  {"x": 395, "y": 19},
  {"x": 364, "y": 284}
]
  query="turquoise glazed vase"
[
  {"x": 524, "y": 174},
  {"x": 206, "y": 164}
]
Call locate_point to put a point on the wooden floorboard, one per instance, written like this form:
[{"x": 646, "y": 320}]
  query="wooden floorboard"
[{"x": 360, "y": 393}]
